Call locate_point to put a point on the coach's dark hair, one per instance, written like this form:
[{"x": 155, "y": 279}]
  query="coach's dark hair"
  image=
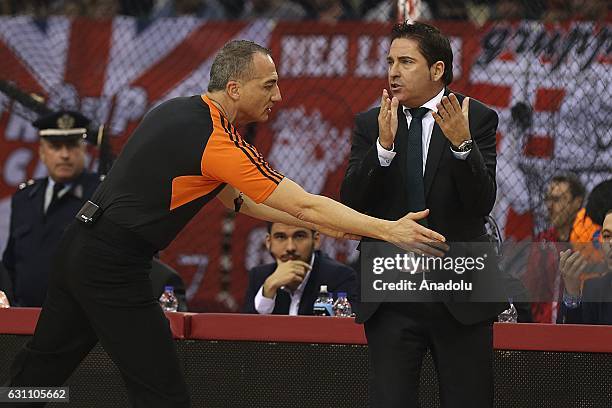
[
  {"x": 432, "y": 43},
  {"x": 233, "y": 62}
]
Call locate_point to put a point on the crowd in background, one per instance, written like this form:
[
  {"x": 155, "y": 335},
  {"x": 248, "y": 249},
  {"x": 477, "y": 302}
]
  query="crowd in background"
[{"x": 478, "y": 11}]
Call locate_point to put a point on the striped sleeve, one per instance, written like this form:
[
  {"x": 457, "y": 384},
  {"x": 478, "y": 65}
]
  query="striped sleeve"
[{"x": 230, "y": 159}]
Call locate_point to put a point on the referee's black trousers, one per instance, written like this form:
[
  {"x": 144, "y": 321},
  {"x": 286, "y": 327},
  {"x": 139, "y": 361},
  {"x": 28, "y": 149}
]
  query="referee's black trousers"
[{"x": 99, "y": 289}]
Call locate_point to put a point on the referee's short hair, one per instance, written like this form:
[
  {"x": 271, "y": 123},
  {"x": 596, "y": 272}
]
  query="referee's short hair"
[{"x": 233, "y": 62}]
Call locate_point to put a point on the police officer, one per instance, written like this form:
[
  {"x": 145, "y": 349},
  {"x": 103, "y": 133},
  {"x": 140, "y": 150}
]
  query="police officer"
[{"x": 42, "y": 208}]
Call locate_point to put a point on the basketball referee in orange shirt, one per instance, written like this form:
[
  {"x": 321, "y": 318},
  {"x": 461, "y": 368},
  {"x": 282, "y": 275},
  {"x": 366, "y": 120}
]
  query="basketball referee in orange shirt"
[{"x": 185, "y": 152}]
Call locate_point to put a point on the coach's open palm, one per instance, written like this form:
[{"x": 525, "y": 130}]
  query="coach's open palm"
[
  {"x": 453, "y": 119},
  {"x": 387, "y": 120}
]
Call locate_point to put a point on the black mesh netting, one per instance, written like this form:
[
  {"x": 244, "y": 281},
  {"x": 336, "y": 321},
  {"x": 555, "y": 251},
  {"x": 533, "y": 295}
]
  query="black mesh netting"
[{"x": 267, "y": 375}]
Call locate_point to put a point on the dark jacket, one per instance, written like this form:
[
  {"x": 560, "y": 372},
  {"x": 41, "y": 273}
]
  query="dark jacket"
[
  {"x": 34, "y": 235},
  {"x": 458, "y": 193},
  {"x": 325, "y": 271},
  {"x": 597, "y": 305}
]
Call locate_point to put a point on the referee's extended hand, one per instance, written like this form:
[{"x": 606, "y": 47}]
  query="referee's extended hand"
[{"x": 408, "y": 234}]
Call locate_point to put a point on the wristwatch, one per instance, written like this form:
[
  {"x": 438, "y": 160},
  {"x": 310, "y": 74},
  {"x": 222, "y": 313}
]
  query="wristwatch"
[{"x": 465, "y": 146}]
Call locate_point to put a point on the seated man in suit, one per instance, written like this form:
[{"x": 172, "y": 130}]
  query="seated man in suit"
[
  {"x": 292, "y": 283},
  {"x": 596, "y": 292}
]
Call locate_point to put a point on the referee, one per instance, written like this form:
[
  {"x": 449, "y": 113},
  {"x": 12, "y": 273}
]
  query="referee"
[{"x": 183, "y": 154}]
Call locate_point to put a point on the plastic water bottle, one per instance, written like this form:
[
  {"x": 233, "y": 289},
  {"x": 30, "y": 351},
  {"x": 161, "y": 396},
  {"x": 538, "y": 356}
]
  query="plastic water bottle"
[
  {"x": 342, "y": 306},
  {"x": 509, "y": 315},
  {"x": 323, "y": 306},
  {"x": 168, "y": 301}
]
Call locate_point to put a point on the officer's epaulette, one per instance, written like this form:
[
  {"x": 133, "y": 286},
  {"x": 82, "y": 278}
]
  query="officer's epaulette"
[{"x": 28, "y": 183}]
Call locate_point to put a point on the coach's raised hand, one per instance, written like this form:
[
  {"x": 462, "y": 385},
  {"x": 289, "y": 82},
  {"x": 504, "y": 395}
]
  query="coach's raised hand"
[
  {"x": 453, "y": 119},
  {"x": 387, "y": 120}
]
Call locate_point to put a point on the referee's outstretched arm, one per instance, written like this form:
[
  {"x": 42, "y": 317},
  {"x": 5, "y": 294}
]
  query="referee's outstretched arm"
[{"x": 290, "y": 204}]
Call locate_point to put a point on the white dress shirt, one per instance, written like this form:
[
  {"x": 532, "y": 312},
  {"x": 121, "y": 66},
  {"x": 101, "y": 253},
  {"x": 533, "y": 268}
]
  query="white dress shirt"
[
  {"x": 49, "y": 192},
  {"x": 265, "y": 305},
  {"x": 386, "y": 156}
]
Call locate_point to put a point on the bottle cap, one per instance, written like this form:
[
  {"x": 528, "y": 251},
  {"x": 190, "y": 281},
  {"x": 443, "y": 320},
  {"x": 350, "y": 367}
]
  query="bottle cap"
[
  {"x": 168, "y": 288},
  {"x": 323, "y": 288},
  {"x": 341, "y": 294}
]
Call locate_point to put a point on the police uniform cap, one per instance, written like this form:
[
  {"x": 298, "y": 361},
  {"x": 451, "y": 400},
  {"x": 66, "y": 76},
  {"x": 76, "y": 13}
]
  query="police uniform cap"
[{"x": 62, "y": 126}]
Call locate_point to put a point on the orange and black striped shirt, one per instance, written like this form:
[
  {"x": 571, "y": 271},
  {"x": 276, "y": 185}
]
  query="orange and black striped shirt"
[{"x": 179, "y": 158}]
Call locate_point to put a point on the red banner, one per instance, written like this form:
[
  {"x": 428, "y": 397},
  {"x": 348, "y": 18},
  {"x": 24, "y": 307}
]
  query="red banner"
[{"x": 115, "y": 71}]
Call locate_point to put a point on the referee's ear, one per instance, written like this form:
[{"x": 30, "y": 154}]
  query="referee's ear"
[{"x": 233, "y": 89}]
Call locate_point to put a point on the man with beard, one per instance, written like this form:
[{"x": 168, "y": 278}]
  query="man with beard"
[{"x": 291, "y": 285}]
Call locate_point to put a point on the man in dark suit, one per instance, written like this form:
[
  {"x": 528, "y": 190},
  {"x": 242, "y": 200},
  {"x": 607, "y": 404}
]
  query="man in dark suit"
[
  {"x": 291, "y": 285},
  {"x": 42, "y": 208},
  {"x": 591, "y": 303},
  {"x": 426, "y": 148}
]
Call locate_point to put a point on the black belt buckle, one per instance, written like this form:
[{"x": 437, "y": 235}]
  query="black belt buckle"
[{"x": 89, "y": 213}]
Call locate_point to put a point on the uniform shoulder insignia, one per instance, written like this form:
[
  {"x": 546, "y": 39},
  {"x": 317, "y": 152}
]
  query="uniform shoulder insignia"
[{"x": 27, "y": 184}]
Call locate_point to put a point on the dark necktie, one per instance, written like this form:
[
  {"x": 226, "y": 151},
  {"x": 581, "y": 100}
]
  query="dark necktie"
[
  {"x": 56, "y": 190},
  {"x": 414, "y": 175}
]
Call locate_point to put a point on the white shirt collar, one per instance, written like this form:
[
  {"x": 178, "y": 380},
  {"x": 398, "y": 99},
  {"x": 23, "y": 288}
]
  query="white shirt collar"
[{"x": 430, "y": 104}]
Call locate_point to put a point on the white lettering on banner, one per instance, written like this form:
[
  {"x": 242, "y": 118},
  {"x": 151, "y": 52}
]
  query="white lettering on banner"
[
  {"x": 63, "y": 96},
  {"x": 368, "y": 65},
  {"x": 14, "y": 170},
  {"x": 18, "y": 127},
  {"x": 130, "y": 104},
  {"x": 192, "y": 259},
  {"x": 97, "y": 108},
  {"x": 314, "y": 55},
  {"x": 199, "y": 260}
]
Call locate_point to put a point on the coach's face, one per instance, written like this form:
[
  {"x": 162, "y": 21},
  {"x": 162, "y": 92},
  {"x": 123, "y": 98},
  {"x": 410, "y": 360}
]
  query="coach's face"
[
  {"x": 411, "y": 80},
  {"x": 260, "y": 93}
]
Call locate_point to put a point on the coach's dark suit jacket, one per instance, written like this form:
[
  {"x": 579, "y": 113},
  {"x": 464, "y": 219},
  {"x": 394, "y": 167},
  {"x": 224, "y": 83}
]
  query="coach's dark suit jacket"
[
  {"x": 325, "y": 271},
  {"x": 458, "y": 193}
]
